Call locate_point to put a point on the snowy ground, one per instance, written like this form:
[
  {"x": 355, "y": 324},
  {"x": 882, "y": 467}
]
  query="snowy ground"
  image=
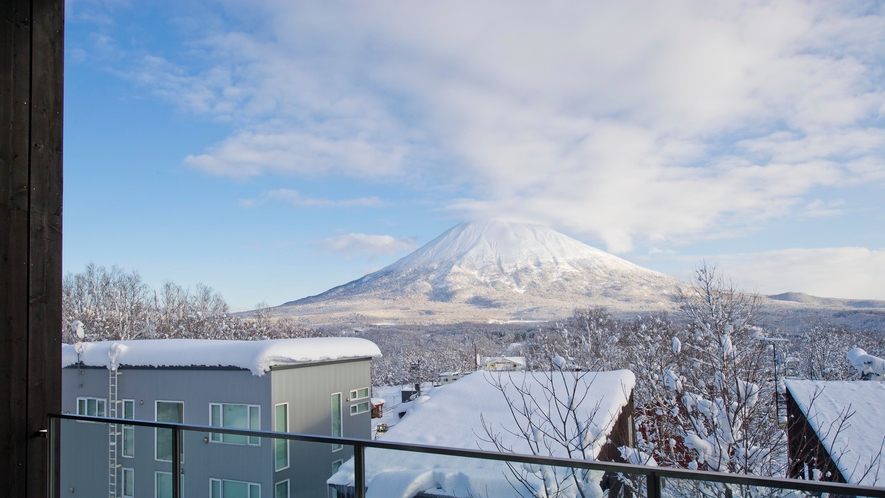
[{"x": 392, "y": 404}]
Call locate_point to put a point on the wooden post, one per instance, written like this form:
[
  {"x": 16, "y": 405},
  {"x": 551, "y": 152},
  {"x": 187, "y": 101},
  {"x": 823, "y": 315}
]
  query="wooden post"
[{"x": 31, "y": 91}]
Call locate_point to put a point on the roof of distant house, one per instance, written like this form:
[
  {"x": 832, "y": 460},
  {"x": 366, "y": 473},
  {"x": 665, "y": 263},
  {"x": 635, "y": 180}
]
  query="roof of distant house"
[
  {"x": 856, "y": 446},
  {"x": 519, "y": 360},
  {"x": 256, "y": 356},
  {"x": 456, "y": 415}
]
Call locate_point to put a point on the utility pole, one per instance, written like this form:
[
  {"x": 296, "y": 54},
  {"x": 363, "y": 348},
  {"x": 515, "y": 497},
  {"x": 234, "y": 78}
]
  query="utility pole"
[{"x": 775, "y": 359}]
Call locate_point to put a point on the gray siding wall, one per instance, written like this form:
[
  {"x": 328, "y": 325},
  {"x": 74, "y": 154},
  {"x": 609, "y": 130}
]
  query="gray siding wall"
[
  {"x": 308, "y": 391},
  {"x": 85, "y": 446}
]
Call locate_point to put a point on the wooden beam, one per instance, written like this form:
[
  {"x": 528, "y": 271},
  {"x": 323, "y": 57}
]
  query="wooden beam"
[{"x": 31, "y": 93}]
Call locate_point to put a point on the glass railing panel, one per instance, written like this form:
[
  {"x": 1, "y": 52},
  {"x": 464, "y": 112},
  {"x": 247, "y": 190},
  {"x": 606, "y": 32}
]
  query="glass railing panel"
[
  {"x": 101, "y": 459},
  {"x": 678, "y": 488},
  {"x": 98, "y": 458},
  {"x": 252, "y": 466},
  {"x": 403, "y": 473},
  {"x": 247, "y": 466}
]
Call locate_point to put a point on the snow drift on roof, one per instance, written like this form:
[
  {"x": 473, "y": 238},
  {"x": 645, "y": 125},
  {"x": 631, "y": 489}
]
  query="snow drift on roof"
[
  {"x": 451, "y": 417},
  {"x": 256, "y": 356},
  {"x": 856, "y": 446}
]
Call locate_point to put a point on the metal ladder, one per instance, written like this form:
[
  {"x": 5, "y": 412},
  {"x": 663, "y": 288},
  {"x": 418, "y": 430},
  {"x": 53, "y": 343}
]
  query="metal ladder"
[{"x": 113, "y": 434}]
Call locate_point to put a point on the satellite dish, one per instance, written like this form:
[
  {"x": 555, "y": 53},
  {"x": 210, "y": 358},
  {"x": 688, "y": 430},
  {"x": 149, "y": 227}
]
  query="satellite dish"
[{"x": 78, "y": 329}]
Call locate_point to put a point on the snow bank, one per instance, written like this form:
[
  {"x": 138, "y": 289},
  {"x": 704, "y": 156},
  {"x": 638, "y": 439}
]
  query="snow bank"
[
  {"x": 856, "y": 447},
  {"x": 454, "y": 416},
  {"x": 256, "y": 356}
]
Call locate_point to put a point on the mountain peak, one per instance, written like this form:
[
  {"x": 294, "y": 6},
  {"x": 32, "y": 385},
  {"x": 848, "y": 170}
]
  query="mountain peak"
[
  {"x": 495, "y": 270},
  {"x": 504, "y": 244}
]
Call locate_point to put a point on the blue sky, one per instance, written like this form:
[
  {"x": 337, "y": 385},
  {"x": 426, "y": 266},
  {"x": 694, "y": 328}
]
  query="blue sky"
[{"x": 272, "y": 150}]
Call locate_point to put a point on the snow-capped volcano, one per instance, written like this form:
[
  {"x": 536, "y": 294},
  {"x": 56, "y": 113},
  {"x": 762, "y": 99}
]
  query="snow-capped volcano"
[{"x": 521, "y": 270}]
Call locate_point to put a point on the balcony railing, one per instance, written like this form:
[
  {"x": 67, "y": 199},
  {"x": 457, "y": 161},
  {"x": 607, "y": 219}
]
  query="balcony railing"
[{"x": 71, "y": 435}]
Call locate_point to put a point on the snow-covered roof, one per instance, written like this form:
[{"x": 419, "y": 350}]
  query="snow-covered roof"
[
  {"x": 256, "y": 356},
  {"x": 520, "y": 360},
  {"x": 453, "y": 415},
  {"x": 857, "y": 446}
]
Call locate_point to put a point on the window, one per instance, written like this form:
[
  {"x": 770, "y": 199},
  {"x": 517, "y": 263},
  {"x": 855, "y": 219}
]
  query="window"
[
  {"x": 359, "y": 408},
  {"x": 281, "y": 490},
  {"x": 281, "y": 446},
  {"x": 92, "y": 407},
  {"x": 222, "y": 488},
  {"x": 167, "y": 411},
  {"x": 333, "y": 493},
  {"x": 235, "y": 417},
  {"x": 336, "y": 419},
  {"x": 128, "y": 482},
  {"x": 129, "y": 430},
  {"x": 359, "y": 393},
  {"x": 163, "y": 485}
]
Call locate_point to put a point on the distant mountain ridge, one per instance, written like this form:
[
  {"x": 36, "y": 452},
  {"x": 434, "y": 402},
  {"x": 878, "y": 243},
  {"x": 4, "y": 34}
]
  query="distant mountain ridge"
[
  {"x": 494, "y": 270},
  {"x": 833, "y": 302}
]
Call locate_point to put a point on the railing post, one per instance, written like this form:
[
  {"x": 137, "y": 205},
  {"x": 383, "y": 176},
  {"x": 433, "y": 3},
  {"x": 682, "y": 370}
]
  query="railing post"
[
  {"x": 53, "y": 457},
  {"x": 176, "y": 463},
  {"x": 653, "y": 485},
  {"x": 359, "y": 471}
]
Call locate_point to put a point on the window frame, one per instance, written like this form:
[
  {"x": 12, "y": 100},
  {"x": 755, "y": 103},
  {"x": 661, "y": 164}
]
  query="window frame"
[
  {"x": 217, "y": 437},
  {"x": 156, "y": 429},
  {"x": 354, "y": 394},
  {"x": 221, "y": 482},
  {"x": 86, "y": 399},
  {"x": 336, "y": 465},
  {"x": 157, "y": 475},
  {"x": 288, "y": 488},
  {"x": 340, "y": 408},
  {"x": 277, "y": 442},
  {"x": 123, "y": 473},
  {"x": 355, "y": 408},
  {"x": 128, "y": 429}
]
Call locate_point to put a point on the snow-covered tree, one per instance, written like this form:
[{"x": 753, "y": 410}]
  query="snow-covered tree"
[
  {"x": 409, "y": 356},
  {"x": 112, "y": 304},
  {"x": 652, "y": 346},
  {"x": 721, "y": 381},
  {"x": 118, "y": 305},
  {"x": 588, "y": 340},
  {"x": 823, "y": 352},
  {"x": 557, "y": 413}
]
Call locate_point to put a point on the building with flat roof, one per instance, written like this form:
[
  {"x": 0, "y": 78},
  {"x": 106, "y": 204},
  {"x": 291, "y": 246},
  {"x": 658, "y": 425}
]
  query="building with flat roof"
[{"x": 315, "y": 386}]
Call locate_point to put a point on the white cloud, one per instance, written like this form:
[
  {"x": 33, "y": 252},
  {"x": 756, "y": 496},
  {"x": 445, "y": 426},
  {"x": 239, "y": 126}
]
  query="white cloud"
[
  {"x": 657, "y": 122},
  {"x": 306, "y": 154},
  {"x": 841, "y": 272},
  {"x": 846, "y": 272},
  {"x": 373, "y": 245},
  {"x": 818, "y": 208},
  {"x": 296, "y": 199}
]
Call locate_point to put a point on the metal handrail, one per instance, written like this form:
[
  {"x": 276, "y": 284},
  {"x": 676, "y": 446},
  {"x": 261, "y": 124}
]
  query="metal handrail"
[{"x": 652, "y": 474}]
